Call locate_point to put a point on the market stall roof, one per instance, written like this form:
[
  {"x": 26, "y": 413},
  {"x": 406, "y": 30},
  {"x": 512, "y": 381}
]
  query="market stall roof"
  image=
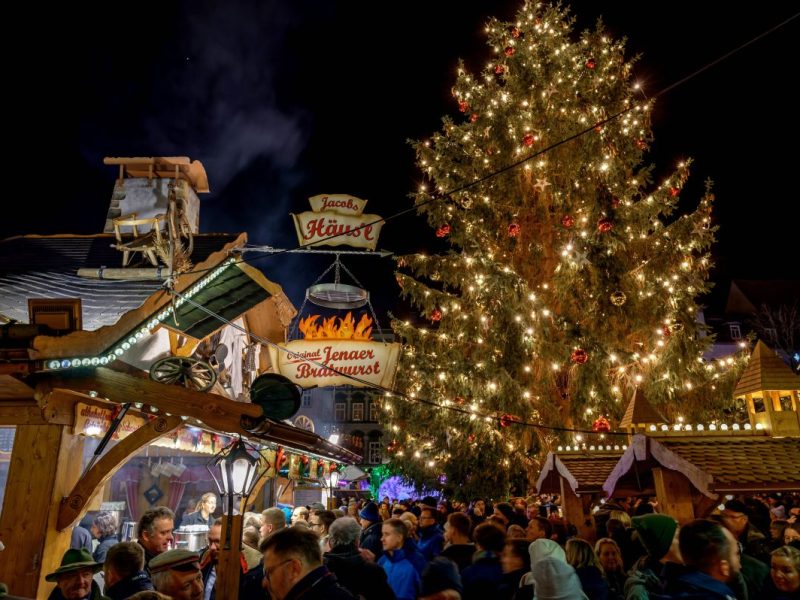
[
  {"x": 163, "y": 167},
  {"x": 714, "y": 464},
  {"x": 585, "y": 471},
  {"x": 640, "y": 411},
  {"x": 352, "y": 473},
  {"x": 766, "y": 371}
]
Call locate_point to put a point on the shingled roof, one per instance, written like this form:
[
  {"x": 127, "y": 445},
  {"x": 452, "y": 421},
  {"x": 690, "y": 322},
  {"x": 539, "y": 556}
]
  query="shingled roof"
[
  {"x": 585, "y": 472},
  {"x": 640, "y": 411},
  {"x": 766, "y": 371}
]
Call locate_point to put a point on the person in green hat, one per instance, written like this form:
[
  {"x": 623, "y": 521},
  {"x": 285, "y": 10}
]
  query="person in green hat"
[{"x": 74, "y": 577}]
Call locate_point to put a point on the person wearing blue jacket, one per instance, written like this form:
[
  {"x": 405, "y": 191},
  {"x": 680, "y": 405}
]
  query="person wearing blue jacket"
[
  {"x": 431, "y": 537},
  {"x": 403, "y": 577}
]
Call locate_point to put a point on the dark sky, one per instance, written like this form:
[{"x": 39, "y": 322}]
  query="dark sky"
[{"x": 287, "y": 99}]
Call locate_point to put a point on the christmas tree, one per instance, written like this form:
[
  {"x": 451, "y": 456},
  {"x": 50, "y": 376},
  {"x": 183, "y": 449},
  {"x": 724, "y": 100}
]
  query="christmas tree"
[{"x": 569, "y": 281}]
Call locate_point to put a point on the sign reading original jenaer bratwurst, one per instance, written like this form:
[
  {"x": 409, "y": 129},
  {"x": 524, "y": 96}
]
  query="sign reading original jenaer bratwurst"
[
  {"x": 335, "y": 353},
  {"x": 337, "y": 220}
]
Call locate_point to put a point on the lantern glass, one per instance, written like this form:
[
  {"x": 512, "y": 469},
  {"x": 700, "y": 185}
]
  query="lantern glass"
[{"x": 334, "y": 479}]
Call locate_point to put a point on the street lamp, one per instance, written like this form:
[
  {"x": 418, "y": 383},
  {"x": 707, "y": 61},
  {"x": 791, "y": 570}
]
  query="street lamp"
[
  {"x": 333, "y": 484},
  {"x": 235, "y": 470}
]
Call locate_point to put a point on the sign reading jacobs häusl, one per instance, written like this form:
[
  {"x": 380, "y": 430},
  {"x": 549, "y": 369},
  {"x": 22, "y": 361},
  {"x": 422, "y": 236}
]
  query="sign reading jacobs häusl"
[{"x": 339, "y": 215}]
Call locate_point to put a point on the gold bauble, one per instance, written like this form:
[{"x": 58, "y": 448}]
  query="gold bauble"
[{"x": 618, "y": 298}]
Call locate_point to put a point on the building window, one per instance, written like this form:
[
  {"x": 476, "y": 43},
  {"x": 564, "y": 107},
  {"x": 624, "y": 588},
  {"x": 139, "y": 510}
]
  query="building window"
[
  {"x": 340, "y": 412},
  {"x": 358, "y": 411},
  {"x": 373, "y": 411},
  {"x": 736, "y": 331},
  {"x": 307, "y": 398},
  {"x": 374, "y": 455},
  {"x": 786, "y": 403},
  {"x": 758, "y": 405}
]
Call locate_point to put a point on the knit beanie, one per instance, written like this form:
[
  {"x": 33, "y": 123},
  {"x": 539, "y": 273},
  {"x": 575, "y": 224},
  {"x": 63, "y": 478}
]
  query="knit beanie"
[
  {"x": 553, "y": 579},
  {"x": 656, "y": 533},
  {"x": 439, "y": 575},
  {"x": 370, "y": 513},
  {"x": 543, "y": 548}
]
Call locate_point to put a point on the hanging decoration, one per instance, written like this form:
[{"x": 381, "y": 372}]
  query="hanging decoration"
[
  {"x": 579, "y": 356},
  {"x": 618, "y": 298},
  {"x": 463, "y": 106},
  {"x": 567, "y": 221},
  {"x": 338, "y": 217},
  {"x": 508, "y": 419},
  {"x": 499, "y": 69},
  {"x": 513, "y": 230},
  {"x": 590, "y": 64},
  {"x": 509, "y": 51},
  {"x": 601, "y": 425},
  {"x": 605, "y": 225},
  {"x": 528, "y": 139},
  {"x": 443, "y": 230},
  {"x": 436, "y": 315}
]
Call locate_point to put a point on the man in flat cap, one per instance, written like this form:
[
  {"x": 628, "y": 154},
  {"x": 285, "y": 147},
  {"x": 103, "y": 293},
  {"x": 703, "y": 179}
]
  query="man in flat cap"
[
  {"x": 74, "y": 577},
  {"x": 177, "y": 574}
]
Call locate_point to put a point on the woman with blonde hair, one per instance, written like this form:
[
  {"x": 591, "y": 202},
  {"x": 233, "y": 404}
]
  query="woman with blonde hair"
[
  {"x": 203, "y": 511},
  {"x": 610, "y": 557},
  {"x": 581, "y": 556}
]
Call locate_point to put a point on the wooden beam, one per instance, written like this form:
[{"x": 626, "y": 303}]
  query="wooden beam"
[
  {"x": 571, "y": 505},
  {"x": 45, "y": 462},
  {"x": 215, "y": 411},
  {"x": 674, "y": 494},
  {"x": 229, "y": 568},
  {"x": 93, "y": 480},
  {"x": 21, "y": 413},
  {"x": 12, "y": 388}
]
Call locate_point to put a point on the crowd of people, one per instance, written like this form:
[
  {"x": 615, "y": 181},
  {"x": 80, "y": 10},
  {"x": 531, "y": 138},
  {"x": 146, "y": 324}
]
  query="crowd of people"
[{"x": 748, "y": 549}]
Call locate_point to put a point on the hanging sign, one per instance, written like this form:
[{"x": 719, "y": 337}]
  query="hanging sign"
[
  {"x": 338, "y": 217},
  {"x": 94, "y": 421},
  {"x": 332, "y": 351}
]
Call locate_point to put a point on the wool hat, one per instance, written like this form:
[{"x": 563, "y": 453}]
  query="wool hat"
[
  {"x": 73, "y": 560},
  {"x": 656, "y": 533},
  {"x": 318, "y": 506},
  {"x": 440, "y": 574},
  {"x": 544, "y": 548},
  {"x": 370, "y": 513},
  {"x": 553, "y": 579},
  {"x": 179, "y": 559}
]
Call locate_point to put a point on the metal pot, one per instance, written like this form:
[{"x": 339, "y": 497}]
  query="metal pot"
[{"x": 190, "y": 540}]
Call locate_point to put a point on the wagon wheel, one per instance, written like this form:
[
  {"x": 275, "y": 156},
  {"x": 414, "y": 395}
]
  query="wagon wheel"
[{"x": 190, "y": 372}]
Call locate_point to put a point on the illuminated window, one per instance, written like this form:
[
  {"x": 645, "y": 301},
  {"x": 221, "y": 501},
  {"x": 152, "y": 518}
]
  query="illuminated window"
[
  {"x": 736, "y": 331},
  {"x": 358, "y": 411},
  {"x": 373, "y": 411},
  {"x": 374, "y": 453},
  {"x": 340, "y": 412}
]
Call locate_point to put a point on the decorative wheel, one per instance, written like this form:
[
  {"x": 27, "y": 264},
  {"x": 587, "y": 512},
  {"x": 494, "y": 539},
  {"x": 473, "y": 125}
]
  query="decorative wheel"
[
  {"x": 190, "y": 372},
  {"x": 303, "y": 422}
]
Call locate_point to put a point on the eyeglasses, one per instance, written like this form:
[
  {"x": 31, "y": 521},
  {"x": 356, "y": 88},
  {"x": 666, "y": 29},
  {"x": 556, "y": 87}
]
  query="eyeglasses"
[{"x": 269, "y": 571}]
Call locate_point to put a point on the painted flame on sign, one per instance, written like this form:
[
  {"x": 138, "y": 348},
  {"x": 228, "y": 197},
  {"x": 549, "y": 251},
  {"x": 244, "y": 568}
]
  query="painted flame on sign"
[{"x": 345, "y": 329}]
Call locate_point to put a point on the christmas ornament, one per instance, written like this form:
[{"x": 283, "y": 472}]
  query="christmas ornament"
[
  {"x": 513, "y": 230},
  {"x": 514, "y": 32},
  {"x": 463, "y": 106},
  {"x": 641, "y": 144},
  {"x": 499, "y": 69},
  {"x": 392, "y": 447},
  {"x": 528, "y": 139},
  {"x": 508, "y": 419},
  {"x": 673, "y": 191},
  {"x": 590, "y": 64},
  {"x": 666, "y": 331},
  {"x": 471, "y": 438},
  {"x": 598, "y": 128},
  {"x": 601, "y": 424},
  {"x": 509, "y": 51},
  {"x": 677, "y": 327},
  {"x": 618, "y": 298},
  {"x": 614, "y": 202},
  {"x": 473, "y": 117},
  {"x": 579, "y": 356},
  {"x": 436, "y": 315},
  {"x": 567, "y": 221},
  {"x": 541, "y": 184},
  {"x": 443, "y": 231},
  {"x": 459, "y": 400},
  {"x": 605, "y": 225}
]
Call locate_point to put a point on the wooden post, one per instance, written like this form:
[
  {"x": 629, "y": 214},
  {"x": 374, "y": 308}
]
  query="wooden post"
[
  {"x": 45, "y": 464},
  {"x": 229, "y": 567},
  {"x": 571, "y": 505},
  {"x": 674, "y": 494}
]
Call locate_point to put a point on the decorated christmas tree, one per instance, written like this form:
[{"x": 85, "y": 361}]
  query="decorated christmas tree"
[{"x": 569, "y": 281}]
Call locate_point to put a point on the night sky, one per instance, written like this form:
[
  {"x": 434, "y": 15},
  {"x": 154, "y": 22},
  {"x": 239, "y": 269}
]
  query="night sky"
[{"x": 284, "y": 100}]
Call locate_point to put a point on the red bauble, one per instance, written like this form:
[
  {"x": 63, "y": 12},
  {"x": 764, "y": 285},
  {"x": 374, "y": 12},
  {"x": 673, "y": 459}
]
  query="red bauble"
[
  {"x": 528, "y": 139},
  {"x": 436, "y": 315},
  {"x": 579, "y": 356},
  {"x": 514, "y": 32},
  {"x": 614, "y": 202},
  {"x": 605, "y": 225},
  {"x": 508, "y": 419},
  {"x": 598, "y": 128},
  {"x": 509, "y": 51},
  {"x": 513, "y": 230},
  {"x": 471, "y": 438},
  {"x": 443, "y": 231},
  {"x": 567, "y": 221},
  {"x": 463, "y": 106},
  {"x": 499, "y": 69},
  {"x": 473, "y": 117},
  {"x": 590, "y": 64},
  {"x": 673, "y": 191},
  {"x": 459, "y": 399},
  {"x": 601, "y": 425},
  {"x": 641, "y": 144},
  {"x": 666, "y": 331}
]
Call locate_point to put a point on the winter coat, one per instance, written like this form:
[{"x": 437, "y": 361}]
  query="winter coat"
[
  {"x": 461, "y": 554},
  {"x": 358, "y": 575},
  {"x": 371, "y": 540},
  {"x": 99, "y": 554},
  {"x": 593, "y": 583},
  {"x": 319, "y": 584},
  {"x": 140, "y": 582},
  {"x": 510, "y": 584},
  {"x": 482, "y": 579},
  {"x": 431, "y": 541},
  {"x": 195, "y": 518},
  {"x": 403, "y": 577}
]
